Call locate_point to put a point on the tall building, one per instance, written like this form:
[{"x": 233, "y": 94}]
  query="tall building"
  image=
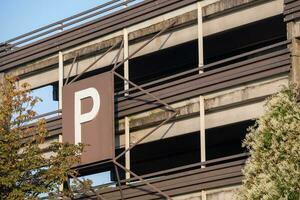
[{"x": 162, "y": 90}]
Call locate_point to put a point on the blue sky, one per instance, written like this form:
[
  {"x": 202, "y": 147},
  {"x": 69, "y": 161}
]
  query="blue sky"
[{"x": 21, "y": 16}]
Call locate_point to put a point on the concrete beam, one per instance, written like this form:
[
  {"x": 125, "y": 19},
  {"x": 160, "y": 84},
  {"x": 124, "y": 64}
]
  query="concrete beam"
[
  {"x": 225, "y": 107},
  {"x": 229, "y": 106},
  {"x": 224, "y": 193},
  {"x": 218, "y": 17}
]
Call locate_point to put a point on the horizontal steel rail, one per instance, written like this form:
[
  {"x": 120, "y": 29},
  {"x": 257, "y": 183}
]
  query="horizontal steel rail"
[
  {"x": 104, "y": 25},
  {"x": 223, "y": 62},
  {"x": 47, "y": 114},
  {"x": 272, "y": 60},
  {"x": 100, "y": 10},
  {"x": 192, "y": 166},
  {"x": 113, "y": 21},
  {"x": 291, "y": 10},
  {"x": 261, "y": 63},
  {"x": 222, "y": 171},
  {"x": 175, "y": 181}
]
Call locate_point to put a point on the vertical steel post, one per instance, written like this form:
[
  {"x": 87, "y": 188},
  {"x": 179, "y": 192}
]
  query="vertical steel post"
[
  {"x": 202, "y": 130},
  {"x": 201, "y": 98},
  {"x": 60, "y": 86},
  {"x": 126, "y": 87},
  {"x": 127, "y": 146},
  {"x": 203, "y": 195},
  {"x": 200, "y": 36},
  {"x": 126, "y": 54},
  {"x": 60, "y": 82},
  {"x": 60, "y": 78}
]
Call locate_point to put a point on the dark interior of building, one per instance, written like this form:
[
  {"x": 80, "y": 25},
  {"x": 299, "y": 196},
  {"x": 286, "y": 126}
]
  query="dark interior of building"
[
  {"x": 221, "y": 141},
  {"x": 183, "y": 57}
]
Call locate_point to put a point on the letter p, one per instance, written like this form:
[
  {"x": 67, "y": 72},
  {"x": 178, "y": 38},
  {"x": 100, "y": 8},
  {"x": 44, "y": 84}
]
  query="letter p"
[{"x": 82, "y": 118}]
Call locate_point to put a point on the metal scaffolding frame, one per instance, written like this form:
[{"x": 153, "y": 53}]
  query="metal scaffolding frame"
[
  {"x": 127, "y": 82},
  {"x": 126, "y": 56}
]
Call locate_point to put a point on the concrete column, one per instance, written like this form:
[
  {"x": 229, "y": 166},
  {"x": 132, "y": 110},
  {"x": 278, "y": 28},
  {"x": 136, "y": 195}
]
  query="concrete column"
[
  {"x": 203, "y": 195},
  {"x": 2, "y": 76},
  {"x": 293, "y": 33},
  {"x": 1, "y": 80}
]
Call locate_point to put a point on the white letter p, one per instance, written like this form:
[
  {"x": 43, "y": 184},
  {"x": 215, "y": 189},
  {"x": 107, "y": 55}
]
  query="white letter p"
[{"x": 81, "y": 118}]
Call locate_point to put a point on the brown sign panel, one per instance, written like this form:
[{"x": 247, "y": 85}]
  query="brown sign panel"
[{"x": 88, "y": 116}]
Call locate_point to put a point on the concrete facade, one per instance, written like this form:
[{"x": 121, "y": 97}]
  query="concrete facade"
[
  {"x": 216, "y": 22},
  {"x": 227, "y": 107}
]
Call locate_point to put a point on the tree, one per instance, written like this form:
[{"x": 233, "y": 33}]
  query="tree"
[
  {"x": 273, "y": 170},
  {"x": 26, "y": 171}
]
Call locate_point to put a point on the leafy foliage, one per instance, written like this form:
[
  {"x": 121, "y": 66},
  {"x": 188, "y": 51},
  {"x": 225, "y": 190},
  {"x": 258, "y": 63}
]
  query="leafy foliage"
[
  {"x": 273, "y": 170},
  {"x": 29, "y": 165}
]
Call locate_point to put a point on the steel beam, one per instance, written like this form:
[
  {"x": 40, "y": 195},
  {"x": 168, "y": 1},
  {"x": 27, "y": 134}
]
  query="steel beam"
[
  {"x": 142, "y": 180},
  {"x": 60, "y": 77},
  {"x": 71, "y": 68},
  {"x": 202, "y": 129},
  {"x": 93, "y": 63},
  {"x": 126, "y": 87},
  {"x": 200, "y": 36}
]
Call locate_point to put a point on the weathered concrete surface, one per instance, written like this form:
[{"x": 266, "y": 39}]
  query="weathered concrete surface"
[
  {"x": 225, "y": 107},
  {"x": 193, "y": 196},
  {"x": 2, "y": 76},
  {"x": 224, "y": 193},
  {"x": 295, "y": 56},
  {"x": 293, "y": 31},
  {"x": 218, "y": 17}
]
